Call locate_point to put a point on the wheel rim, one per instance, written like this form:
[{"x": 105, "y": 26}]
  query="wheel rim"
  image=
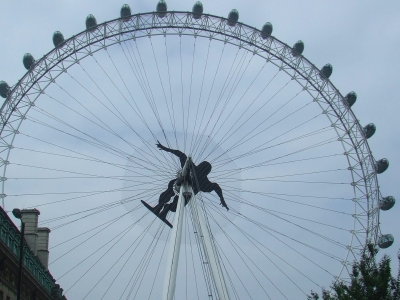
[{"x": 322, "y": 91}]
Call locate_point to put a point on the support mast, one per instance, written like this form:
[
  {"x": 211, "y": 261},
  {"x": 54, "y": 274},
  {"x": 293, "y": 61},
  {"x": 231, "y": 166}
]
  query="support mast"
[
  {"x": 176, "y": 236},
  {"x": 210, "y": 251},
  {"x": 186, "y": 193}
]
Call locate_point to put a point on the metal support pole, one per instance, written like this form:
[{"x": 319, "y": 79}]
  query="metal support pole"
[
  {"x": 216, "y": 270},
  {"x": 175, "y": 239},
  {"x": 21, "y": 257}
]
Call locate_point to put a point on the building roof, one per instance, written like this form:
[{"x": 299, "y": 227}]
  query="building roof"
[{"x": 10, "y": 237}]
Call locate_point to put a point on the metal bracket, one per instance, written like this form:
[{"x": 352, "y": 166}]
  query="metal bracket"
[{"x": 187, "y": 196}]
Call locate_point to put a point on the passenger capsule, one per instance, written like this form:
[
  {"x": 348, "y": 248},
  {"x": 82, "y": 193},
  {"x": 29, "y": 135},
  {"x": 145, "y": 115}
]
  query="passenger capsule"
[
  {"x": 326, "y": 70},
  {"x": 28, "y": 61},
  {"x": 161, "y": 8},
  {"x": 197, "y": 10},
  {"x": 266, "y": 30},
  {"x": 91, "y": 22},
  {"x": 351, "y": 98},
  {"x": 233, "y": 17},
  {"x": 381, "y": 165},
  {"x": 385, "y": 241},
  {"x": 125, "y": 12},
  {"x": 369, "y": 130},
  {"x": 298, "y": 48},
  {"x": 4, "y": 89},
  {"x": 58, "y": 39},
  {"x": 387, "y": 203}
]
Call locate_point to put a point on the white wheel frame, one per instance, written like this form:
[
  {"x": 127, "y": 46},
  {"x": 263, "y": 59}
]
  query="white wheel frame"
[{"x": 350, "y": 133}]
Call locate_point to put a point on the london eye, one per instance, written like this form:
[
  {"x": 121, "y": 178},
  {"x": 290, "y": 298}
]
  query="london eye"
[{"x": 189, "y": 128}]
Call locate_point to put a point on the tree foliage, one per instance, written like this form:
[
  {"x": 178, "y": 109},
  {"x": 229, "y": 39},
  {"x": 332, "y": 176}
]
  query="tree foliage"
[{"x": 369, "y": 280}]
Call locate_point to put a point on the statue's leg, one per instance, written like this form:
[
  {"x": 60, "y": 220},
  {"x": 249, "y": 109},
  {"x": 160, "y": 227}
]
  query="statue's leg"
[
  {"x": 165, "y": 197},
  {"x": 169, "y": 207}
]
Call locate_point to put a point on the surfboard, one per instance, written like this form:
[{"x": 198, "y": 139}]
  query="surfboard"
[{"x": 151, "y": 209}]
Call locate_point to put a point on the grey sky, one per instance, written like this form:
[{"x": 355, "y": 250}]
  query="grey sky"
[{"x": 360, "y": 39}]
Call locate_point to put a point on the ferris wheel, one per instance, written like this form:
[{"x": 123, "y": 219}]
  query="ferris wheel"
[{"x": 182, "y": 155}]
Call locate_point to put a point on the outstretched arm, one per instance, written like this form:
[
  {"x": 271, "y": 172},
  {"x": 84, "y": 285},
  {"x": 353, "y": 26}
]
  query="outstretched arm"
[
  {"x": 218, "y": 190},
  {"x": 182, "y": 156}
]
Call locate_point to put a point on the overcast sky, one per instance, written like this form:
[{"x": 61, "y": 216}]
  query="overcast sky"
[{"x": 360, "y": 39}]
